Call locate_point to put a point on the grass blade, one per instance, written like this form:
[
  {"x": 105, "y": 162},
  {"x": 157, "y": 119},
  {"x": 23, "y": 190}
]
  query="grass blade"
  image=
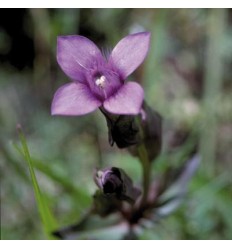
[
  {"x": 81, "y": 197},
  {"x": 48, "y": 220}
]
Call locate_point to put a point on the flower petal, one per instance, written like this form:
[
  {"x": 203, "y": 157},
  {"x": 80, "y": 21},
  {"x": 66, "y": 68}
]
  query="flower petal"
[
  {"x": 127, "y": 101},
  {"x": 74, "y": 99},
  {"x": 75, "y": 54},
  {"x": 130, "y": 52}
]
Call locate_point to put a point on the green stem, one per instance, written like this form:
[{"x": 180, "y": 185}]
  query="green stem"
[
  {"x": 145, "y": 162},
  {"x": 146, "y": 167}
]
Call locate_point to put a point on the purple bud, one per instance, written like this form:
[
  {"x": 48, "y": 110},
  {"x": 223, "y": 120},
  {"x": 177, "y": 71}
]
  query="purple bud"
[{"x": 114, "y": 181}]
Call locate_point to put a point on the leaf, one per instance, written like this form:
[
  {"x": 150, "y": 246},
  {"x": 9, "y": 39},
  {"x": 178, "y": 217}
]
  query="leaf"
[
  {"x": 81, "y": 197},
  {"x": 173, "y": 196},
  {"x": 48, "y": 220}
]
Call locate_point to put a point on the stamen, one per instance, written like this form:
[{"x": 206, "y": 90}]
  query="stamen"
[{"x": 100, "y": 82}]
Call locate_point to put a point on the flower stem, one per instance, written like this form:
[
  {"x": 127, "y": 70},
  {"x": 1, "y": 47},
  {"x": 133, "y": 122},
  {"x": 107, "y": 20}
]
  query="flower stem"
[
  {"x": 146, "y": 167},
  {"x": 145, "y": 162}
]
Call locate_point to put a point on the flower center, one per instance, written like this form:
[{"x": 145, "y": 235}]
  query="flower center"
[{"x": 101, "y": 81}]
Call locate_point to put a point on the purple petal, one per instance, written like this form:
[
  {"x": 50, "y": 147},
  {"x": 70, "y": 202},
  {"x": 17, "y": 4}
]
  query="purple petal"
[
  {"x": 130, "y": 52},
  {"x": 127, "y": 101},
  {"x": 75, "y": 54},
  {"x": 74, "y": 99}
]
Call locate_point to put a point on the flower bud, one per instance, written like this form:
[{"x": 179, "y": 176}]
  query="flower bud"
[{"x": 114, "y": 181}]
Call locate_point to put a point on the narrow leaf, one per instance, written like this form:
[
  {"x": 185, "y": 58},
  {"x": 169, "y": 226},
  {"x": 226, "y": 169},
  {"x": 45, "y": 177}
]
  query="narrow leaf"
[{"x": 48, "y": 220}]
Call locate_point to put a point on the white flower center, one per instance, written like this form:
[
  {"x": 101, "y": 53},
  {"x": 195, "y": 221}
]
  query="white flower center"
[{"x": 100, "y": 82}]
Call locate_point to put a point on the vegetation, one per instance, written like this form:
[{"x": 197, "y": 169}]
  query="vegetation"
[{"x": 186, "y": 78}]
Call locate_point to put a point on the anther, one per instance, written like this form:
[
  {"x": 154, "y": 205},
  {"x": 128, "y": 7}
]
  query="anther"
[{"x": 101, "y": 81}]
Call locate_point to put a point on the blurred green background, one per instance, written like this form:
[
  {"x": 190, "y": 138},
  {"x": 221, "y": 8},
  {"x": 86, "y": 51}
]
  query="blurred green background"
[{"x": 187, "y": 77}]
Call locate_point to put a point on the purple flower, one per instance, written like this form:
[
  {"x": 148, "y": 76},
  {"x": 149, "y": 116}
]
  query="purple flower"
[{"x": 97, "y": 81}]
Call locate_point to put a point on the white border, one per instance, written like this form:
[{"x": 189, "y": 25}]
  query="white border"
[
  {"x": 116, "y": 4},
  {"x": 121, "y": 243}
]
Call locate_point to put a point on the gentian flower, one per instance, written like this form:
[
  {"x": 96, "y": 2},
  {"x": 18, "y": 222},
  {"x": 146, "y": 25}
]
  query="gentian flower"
[{"x": 97, "y": 81}]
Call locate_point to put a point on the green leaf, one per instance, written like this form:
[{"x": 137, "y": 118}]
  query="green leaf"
[
  {"x": 48, "y": 220},
  {"x": 83, "y": 200}
]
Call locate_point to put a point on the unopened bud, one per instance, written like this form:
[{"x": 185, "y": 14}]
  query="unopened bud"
[{"x": 115, "y": 181}]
